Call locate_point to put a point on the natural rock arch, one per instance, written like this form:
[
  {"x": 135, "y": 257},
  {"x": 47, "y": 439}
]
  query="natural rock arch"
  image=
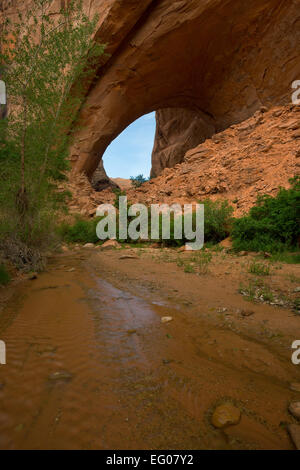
[{"x": 223, "y": 59}]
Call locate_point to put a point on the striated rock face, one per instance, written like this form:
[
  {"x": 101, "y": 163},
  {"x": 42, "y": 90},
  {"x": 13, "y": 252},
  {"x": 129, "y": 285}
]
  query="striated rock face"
[
  {"x": 177, "y": 131},
  {"x": 254, "y": 157},
  {"x": 223, "y": 58}
]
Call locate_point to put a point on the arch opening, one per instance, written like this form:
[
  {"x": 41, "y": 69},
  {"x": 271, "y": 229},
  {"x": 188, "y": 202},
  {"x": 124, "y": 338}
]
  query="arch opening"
[
  {"x": 130, "y": 153},
  {"x": 127, "y": 156}
]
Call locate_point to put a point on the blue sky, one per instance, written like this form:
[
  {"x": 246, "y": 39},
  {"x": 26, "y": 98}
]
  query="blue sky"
[{"x": 130, "y": 153}]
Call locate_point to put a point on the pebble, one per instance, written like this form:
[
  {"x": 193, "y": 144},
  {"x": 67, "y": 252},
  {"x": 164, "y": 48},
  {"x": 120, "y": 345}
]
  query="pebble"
[
  {"x": 166, "y": 319},
  {"x": 60, "y": 375},
  {"x": 226, "y": 415}
]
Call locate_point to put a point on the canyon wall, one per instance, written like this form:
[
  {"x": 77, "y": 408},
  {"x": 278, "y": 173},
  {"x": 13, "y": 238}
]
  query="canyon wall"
[
  {"x": 225, "y": 59},
  {"x": 203, "y": 65}
]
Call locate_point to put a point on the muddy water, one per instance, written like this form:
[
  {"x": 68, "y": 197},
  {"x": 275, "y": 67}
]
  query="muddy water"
[{"x": 90, "y": 366}]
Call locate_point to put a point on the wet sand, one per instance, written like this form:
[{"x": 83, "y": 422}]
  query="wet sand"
[{"x": 91, "y": 366}]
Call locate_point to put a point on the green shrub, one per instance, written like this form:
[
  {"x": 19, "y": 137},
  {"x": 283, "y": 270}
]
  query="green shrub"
[
  {"x": 189, "y": 269},
  {"x": 82, "y": 231},
  {"x": 218, "y": 220},
  {"x": 218, "y": 217},
  {"x": 284, "y": 257},
  {"x": 4, "y": 276},
  {"x": 217, "y": 224},
  {"x": 273, "y": 224}
]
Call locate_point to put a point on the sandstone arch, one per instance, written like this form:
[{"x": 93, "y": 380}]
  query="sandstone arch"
[{"x": 222, "y": 58}]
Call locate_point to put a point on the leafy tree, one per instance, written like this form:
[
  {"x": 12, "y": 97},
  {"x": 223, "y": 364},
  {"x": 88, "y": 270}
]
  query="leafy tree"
[{"x": 48, "y": 62}]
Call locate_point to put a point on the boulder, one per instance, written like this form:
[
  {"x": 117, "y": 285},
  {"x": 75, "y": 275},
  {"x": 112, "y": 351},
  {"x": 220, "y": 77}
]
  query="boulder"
[{"x": 294, "y": 432}]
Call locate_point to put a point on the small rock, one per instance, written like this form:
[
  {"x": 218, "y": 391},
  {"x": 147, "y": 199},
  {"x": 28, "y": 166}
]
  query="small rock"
[
  {"x": 129, "y": 257},
  {"x": 226, "y": 415},
  {"x": 166, "y": 319},
  {"x": 294, "y": 432},
  {"x": 297, "y": 289},
  {"x": 89, "y": 245},
  {"x": 110, "y": 245},
  {"x": 60, "y": 375},
  {"x": 185, "y": 248},
  {"x": 294, "y": 409},
  {"x": 267, "y": 255},
  {"x": 32, "y": 276},
  {"x": 295, "y": 386},
  {"x": 71, "y": 270}
]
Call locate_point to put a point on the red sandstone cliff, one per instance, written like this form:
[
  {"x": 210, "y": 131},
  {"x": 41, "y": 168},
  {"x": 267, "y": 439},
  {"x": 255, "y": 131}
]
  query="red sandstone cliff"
[{"x": 204, "y": 66}]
